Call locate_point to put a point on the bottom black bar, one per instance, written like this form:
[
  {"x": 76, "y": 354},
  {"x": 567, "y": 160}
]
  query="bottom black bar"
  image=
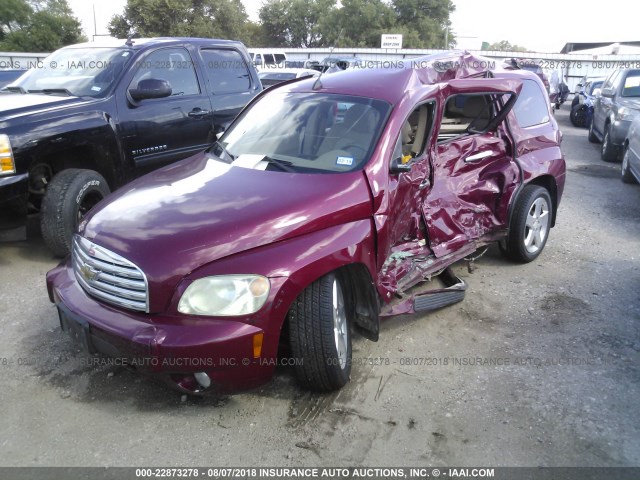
[{"x": 372, "y": 473}]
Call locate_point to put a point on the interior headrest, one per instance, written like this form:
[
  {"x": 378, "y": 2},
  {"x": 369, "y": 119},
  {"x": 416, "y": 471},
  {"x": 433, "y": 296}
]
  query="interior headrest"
[{"x": 475, "y": 107}]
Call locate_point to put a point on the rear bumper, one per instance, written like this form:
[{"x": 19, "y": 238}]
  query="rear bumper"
[{"x": 172, "y": 349}]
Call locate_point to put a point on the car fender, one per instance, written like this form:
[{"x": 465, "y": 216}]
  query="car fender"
[
  {"x": 80, "y": 140},
  {"x": 294, "y": 264}
]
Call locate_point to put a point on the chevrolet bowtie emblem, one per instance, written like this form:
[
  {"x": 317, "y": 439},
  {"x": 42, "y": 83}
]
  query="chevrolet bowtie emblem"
[{"x": 88, "y": 273}]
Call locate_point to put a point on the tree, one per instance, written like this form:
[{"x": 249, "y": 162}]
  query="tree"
[
  {"x": 505, "y": 46},
  {"x": 359, "y": 23},
  {"x": 181, "y": 18},
  {"x": 37, "y": 25},
  {"x": 294, "y": 23},
  {"x": 429, "y": 19}
]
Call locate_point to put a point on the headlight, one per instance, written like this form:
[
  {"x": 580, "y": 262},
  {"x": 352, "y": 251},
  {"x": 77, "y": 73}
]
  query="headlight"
[
  {"x": 7, "y": 165},
  {"x": 625, "y": 113},
  {"x": 225, "y": 295}
]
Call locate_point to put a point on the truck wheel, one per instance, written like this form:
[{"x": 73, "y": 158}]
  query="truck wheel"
[
  {"x": 608, "y": 151},
  {"x": 530, "y": 224},
  {"x": 69, "y": 196},
  {"x": 320, "y": 335}
]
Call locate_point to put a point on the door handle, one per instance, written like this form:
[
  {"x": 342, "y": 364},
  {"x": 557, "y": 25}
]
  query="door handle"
[
  {"x": 425, "y": 183},
  {"x": 479, "y": 156},
  {"x": 197, "y": 113}
]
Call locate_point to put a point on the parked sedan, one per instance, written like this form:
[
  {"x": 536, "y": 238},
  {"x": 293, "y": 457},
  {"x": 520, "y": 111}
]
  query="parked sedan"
[
  {"x": 300, "y": 227},
  {"x": 274, "y": 77},
  {"x": 631, "y": 154},
  {"x": 582, "y": 104},
  {"x": 613, "y": 111}
]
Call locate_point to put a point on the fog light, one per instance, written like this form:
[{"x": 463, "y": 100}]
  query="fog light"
[
  {"x": 257, "y": 344},
  {"x": 203, "y": 379}
]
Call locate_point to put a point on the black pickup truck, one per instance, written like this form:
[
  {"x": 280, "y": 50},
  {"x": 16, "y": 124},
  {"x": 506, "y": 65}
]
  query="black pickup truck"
[{"x": 92, "y": 117}]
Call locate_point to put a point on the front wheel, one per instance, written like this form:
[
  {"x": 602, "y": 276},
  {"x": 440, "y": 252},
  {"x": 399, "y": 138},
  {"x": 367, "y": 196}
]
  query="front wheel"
[
  {"x": 69, "y": 196},
  {"x": 625, "y": 169},
  {"x": 592, "y": 134},
  {"x": 608, "y": 152},
  {"x": 320, "y": 335},
  {"x": 530, "y": 224}
]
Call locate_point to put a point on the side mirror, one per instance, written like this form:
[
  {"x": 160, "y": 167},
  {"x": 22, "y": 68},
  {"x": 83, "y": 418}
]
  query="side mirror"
[
  {"x": 606, "y": 92},
  {"x": 150, "y": 88},
  {"x": 597, "y": 92},
  {"x": 398, "y": 166}
]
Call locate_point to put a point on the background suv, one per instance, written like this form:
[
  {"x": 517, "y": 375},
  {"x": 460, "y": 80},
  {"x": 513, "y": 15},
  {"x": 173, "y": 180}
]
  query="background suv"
[{"x": 613, "y": 111}]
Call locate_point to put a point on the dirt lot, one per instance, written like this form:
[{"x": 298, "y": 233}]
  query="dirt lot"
[{"x": 542, "y": 368}]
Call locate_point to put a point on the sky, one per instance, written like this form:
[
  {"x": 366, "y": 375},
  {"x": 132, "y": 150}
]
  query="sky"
[{"x": 542, "y": 25}]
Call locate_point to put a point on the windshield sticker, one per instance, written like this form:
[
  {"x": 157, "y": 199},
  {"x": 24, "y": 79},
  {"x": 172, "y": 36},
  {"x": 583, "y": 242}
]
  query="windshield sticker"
[
  {"x": 344, "y": 161},
  {"x": 125, "y": 54},
  {"x": 96, "y": 89}
]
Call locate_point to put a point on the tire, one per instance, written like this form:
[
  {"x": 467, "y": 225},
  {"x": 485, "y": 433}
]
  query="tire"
[
  {"x": 575, "y": 101},
  {"x": 578, "y": 116},
  {"x": 530, "y": 224},
  {"x": 625, "y": 168},
  {"x": 592, "y": 135},
  {"x": 608, "y": 152},
  {"x": 320, "y": 335},
  {"x": 69, "y": 196}
]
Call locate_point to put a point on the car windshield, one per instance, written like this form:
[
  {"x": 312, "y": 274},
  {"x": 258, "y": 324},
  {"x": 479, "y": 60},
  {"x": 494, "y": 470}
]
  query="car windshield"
[
  {"x": 595, "y": 85},
  {"x": 632, "y": 85},
  {"x": 307, "y": 132},
  {"x": 80, "y": 72}
]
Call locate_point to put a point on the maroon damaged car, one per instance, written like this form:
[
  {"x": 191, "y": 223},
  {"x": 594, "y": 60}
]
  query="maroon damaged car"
[{"x": 327, "y": 205}]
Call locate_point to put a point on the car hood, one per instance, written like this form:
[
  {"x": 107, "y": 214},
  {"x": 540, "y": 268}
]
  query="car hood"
[
  {"x": 630, "y": 102},
  {"x": 179, "y": 218},
  {"x": 13, "y": 105}
]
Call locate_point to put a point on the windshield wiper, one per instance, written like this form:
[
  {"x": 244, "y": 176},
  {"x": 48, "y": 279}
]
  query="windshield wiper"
[
  {"x": 14, "y": 89},
  {"x": 281, "y": 164},
  {"x": 53, "y": 91}
]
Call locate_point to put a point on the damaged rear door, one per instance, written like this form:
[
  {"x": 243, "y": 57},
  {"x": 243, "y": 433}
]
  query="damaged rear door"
[{"x": 473, "y": 167}]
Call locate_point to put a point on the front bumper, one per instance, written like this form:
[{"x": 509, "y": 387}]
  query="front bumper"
[
  {"x": 170, "y": 348},
  {"x": 618, "y": 132},
  {"x": 13, "y": 200}
]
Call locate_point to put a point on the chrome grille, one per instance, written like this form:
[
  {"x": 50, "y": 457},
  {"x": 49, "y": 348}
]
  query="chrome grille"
[{"x": 108, "y": 276}]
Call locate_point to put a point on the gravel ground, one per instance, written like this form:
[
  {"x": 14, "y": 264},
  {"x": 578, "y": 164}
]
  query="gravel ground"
[{"x": 539, "y": 366}]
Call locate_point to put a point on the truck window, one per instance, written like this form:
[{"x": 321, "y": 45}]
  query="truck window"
[
  {"x": 226, "y": 71},
  {"x": 173, "y": 65},
  {"x": 531, "y": 107}
]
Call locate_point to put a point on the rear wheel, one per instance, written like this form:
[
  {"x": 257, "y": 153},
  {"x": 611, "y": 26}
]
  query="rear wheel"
[
  {"x": 69, "y": 196},
  {"x": 320, "y": 335},
  {"x": 530, "y": 224},
  {"x": 625, "y": 169},
  {"x": 608, "y": 151},
  {"x": 578, "y": 116}
]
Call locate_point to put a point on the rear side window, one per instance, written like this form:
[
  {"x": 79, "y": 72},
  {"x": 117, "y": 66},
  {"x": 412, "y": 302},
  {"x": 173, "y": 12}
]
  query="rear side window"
[
  {"x": 226, "y": 71},
  {"x": 531, "y": 107},
  {"x": 279, "y": 57}
]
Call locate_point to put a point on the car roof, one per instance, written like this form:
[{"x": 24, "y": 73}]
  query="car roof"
[
  {"x": 287, "y": 70},
  {"x": 392, "y": 84},
  {"x": 139, "y": 43}
]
